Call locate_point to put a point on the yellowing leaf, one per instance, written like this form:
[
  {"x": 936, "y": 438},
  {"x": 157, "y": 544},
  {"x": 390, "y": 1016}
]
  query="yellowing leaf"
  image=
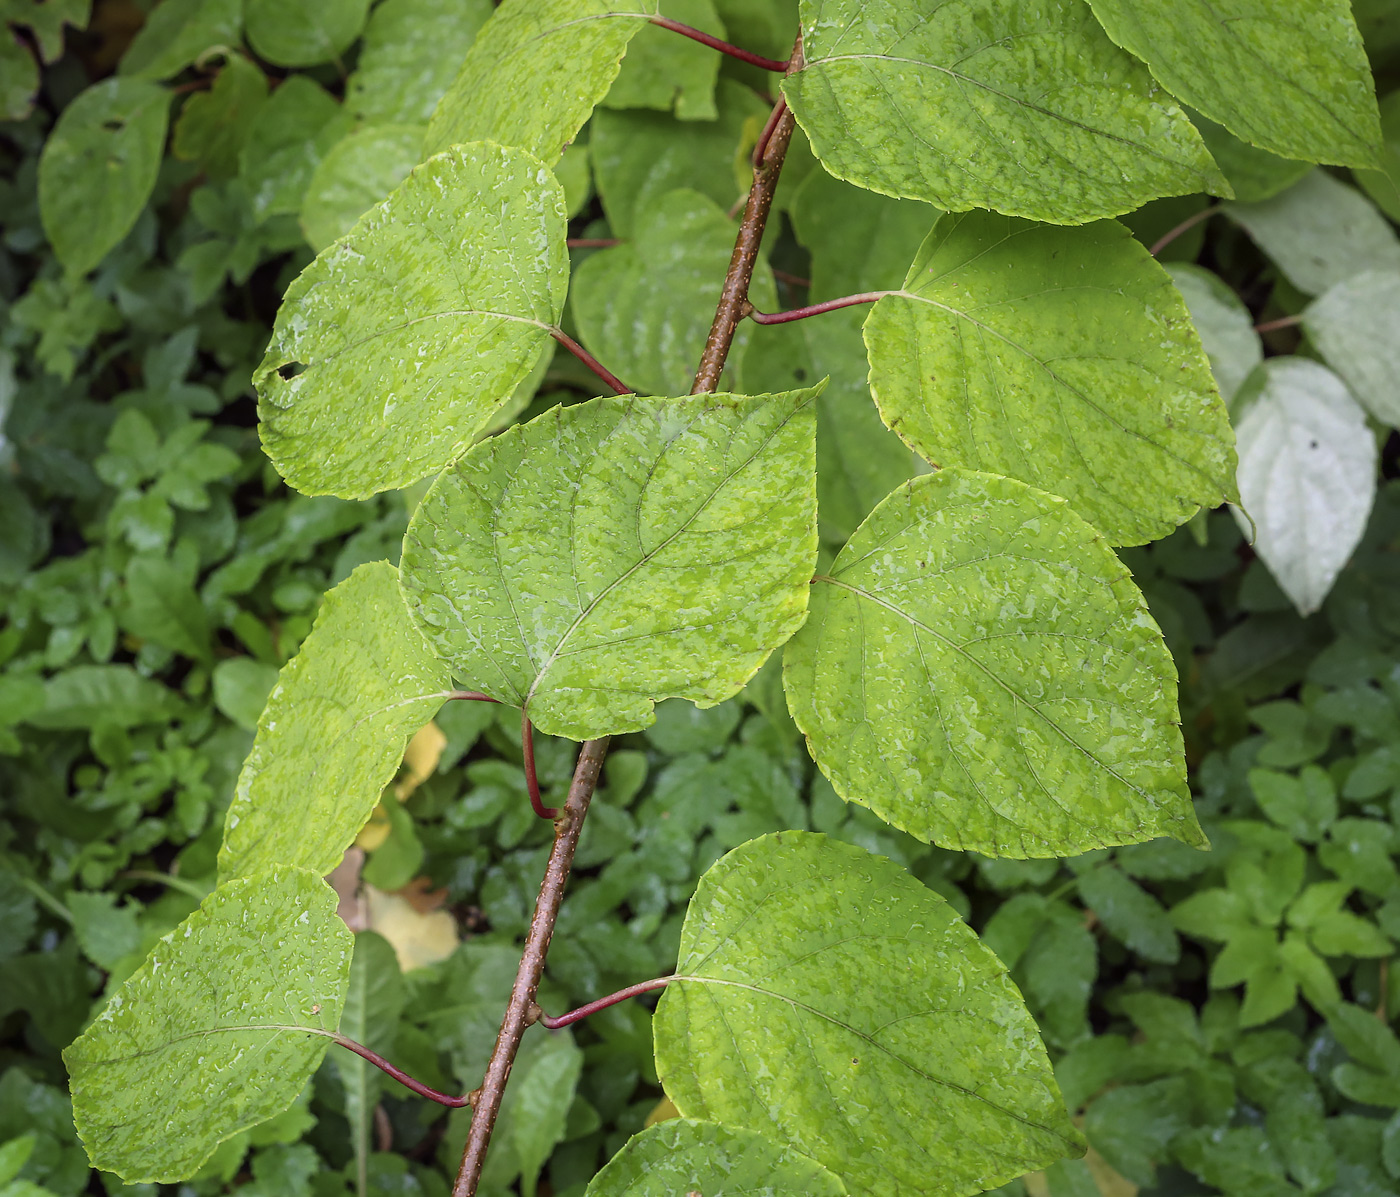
[{"x": 419, "y": 939}]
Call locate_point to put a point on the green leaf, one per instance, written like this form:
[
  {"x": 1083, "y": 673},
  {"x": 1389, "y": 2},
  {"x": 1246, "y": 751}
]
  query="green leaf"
[
  {"x": 411, "y": 51},
  {"x": 374, "y": 1002},
  {"x": 105, "y": 931},
  {"x": 1292, "y": 79},
  {"x": 287, "y": 140},
  {"x": 1383, "y": 186},
  {"x": 924, "y": 1027},
  {"x": 664, "y": 70},
  {"x": 1131, "y": 914},
  {"x": 1307, "y": 475},
  {"x": 241, "y": 687},
  {"x": 216, "y": 1032},
  {"x": 662, "y": 548},
  {"x": 164, "y": 608},
  {"x": 19, "y": 78},
  {"x": 213, "y": 125},
  {"x": 107, "y": 142},
  {"x": 1320, "y": 232},
  {"x": 681, "y": 1156},
  {"x": 177, "y": 32},
  {"x": 1253, "y": 174},
  {"x": 353, "y": 175},
  {"x": 1353, "y": 326},
  {"x": 640, "y": 156},
  {"x": 334, "y": 730},
  {"x": 114, "y": 694},
  {"x": 1024, "y": 108},
  {"x": 411, "y": 330},
  {"x": 298, "y": 33},
  {"x": 1303, "y": 806},
  {"x": 979, "y": 669},
  {"x": 535, "y": 72},
  {"x": 1044, "y": 353},
  {"x": 544, "y": 1090},
  {"x": 1223, "y": 323},
  {"x": 645, "y": 308}
]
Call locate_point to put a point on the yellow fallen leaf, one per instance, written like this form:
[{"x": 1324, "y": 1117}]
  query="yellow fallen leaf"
[
  {"x": 418, "y": 939},
  {"x": 376, "y": 831},
  {"x": 664, "y": 1111},
  {"x": 1109, "y": 1182},
  {"x": 420, "y": 758}
]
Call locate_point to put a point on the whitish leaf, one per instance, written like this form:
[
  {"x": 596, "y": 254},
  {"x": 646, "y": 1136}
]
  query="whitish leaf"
[
  {"x": 177, "y": 32},
  {"x": 681, "y": 1156},
  {"x": 411, "y": 51},
  {"x": 645, "y": 308},
  {"x": 1356, "y": 327},
  {"x": 297, "y": 33},
  {"x": 334, "y": 730},
  {"x": 107, "y": 142},
  {"x": 1253, "y": 174},
  {"x": 289, "y": 137},
  {"x": 1023, "y": 106},
  {"x": 664, "y": 70},
  {"x": 640, "y": 156},
  {"x": 1307, "y": 475},
  {"x": 412, "y": 329},
  {"x": 1062, "y": 357},
  {"x": 354, "y": 174},
  {"x": 535, "y": 72},
  {"x": 617, "y": 552},
  {"x": 1320, "y": 232},
  {"x": 979, "y": 669},
  {"x": 1291, "y": 78},
  {"x": 924, "y": 1025},
  {"x": 1225, "y": 326},
  {"x": 216, "y": 1032},
  {"x": 374, "y": 1003}
]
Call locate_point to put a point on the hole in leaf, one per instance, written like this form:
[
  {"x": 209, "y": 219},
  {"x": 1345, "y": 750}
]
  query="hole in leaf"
[
  {"x": 113, "y": 125},
  {"x": 289, "y": 370}
]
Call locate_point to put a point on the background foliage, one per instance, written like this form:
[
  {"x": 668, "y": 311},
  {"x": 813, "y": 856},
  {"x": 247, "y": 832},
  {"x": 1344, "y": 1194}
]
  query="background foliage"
[{"x": 155, "y": 573}]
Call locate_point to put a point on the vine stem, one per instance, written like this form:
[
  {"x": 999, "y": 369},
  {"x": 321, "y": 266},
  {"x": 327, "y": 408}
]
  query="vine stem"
[
  {"x": 706, "y": 39},
  {"x": 486, "y": 1101},
  {"x": 443, "y": 1099},
  {"x": 815, "y": 309},
  {"x": 1184, "y": 227},
  {"x": 1281, "y": 322},
  {"x": 602, "y": 1003},
  {"x": 619, "y": 387}
]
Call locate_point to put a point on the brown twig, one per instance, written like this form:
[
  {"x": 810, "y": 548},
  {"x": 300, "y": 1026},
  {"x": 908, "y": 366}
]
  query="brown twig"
[
  {"x": 1184, "y": 227},
  {"x": 734, "y": 298},
  {"x": 1281, "y": 322},
  {"x": 487, "y": 1100}
]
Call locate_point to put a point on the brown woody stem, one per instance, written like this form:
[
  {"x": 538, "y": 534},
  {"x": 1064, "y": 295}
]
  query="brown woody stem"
[
  {"x": 487, "y": 1100},
  {"x": 706, "y": 39},
  {"x": 401, "y": 1076}
]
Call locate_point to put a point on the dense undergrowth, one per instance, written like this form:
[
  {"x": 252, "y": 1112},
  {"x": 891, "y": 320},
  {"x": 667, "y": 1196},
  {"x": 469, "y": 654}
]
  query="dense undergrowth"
[{"x": 155, "y": 573}]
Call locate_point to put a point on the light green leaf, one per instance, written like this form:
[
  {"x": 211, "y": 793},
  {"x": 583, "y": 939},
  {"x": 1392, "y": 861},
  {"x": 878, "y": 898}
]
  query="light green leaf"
[
  {"x": 924, "y": 1026},
  {"x": 1383, "y": 186},
  {"x": 1354, "y": 326},
  {"x": 681, "y": 1156},
  {"x": 535, "y": 72},
  {"x": 334, "y": 730},
  {"x": 640, "y": 156},
  {"x": 241, "y": 687},
  {"x": 1307, "y": 475},
  {"x": 1252, "y": 173},
  {"x": 216, "y": 1032},
  {"x": 214, "y": 124},
  {"x": 1289, "y": 78},
  {"x": 107, "y": 142},
  {"x": 1320, "y": 232},
  {"x": 298, "y": 33},
  {"x": 105, "y": 931},
  {"x": 289, "y": 137},
  {"x": 1026, "y": 108},
  {"x": 177, "y": 32},
  {"x": 663, "y": 69},
  {"x": 1061, "y": 357},
  {"x": 412, "y": 329},
  {"x": 1223, "y": 323},
  {"x": 374, "y": 1003},
  {"x": 411, "y": 51},
  {"x": 353, "y": 175},
  {"x": 644, "y": 308},
  {"x": 617, "y": 552},
  {"x": 979, "y": 670}
]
